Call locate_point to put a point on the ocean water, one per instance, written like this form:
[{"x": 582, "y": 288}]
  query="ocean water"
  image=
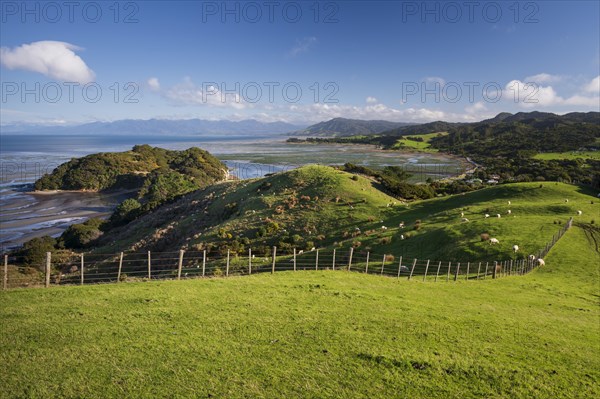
[{"x": 25, "y": 158}]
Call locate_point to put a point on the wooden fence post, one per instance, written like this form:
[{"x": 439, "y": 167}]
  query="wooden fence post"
[
  {"x": 399, "y": 266},
  {"x": 149, "y": 266},
  {"x": 438, "y": 272},
  {"x": 120, "y": 267},
  {"x": 426, "y": 269},
  {"x": 412, "y": 268},
  {"x": 478, "y": 270},
  {"x": 456, "y": 273},
  {"x": 367, "y": 266},
  {"x": 48, "y": 263},
  {"x": 333, "y": 263},
  {"x": 82, "y": 264},
  {"x": 227, "y": 267},
  {"x": 5, "y": 278},
  {"x": 249, "y": 261},
  {"x": 350, "y": 260},
  {"x": 486, "y": 270},
  {"x": 274, "y": 257},
  {"x": 495, "y": 268},
  {"x": 203, "y": 262},
  {"x": 448, "y": 276},
  {"x": 180, "y": 264},
  {"x": 468, "y": 267},
  {"x": 317, "y": 260},
  {"x": 294, "y": 259},
  {"x": 382, "y": 264}
]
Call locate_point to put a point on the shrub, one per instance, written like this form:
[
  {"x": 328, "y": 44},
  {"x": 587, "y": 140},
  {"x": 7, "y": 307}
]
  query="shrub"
[
  {"x": 356, "y": 244},
  {"x": 389, "y": 258},
  {"x": 484, "y": 236},
  {"x": 385, "y": 240}
]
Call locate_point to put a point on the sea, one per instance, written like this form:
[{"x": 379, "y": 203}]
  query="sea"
[{"x": 25, "y": 158}]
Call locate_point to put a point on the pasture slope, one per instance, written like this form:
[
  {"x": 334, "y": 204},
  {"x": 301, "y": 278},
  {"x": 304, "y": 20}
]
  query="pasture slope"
[
  {"x": 326, "y": 334},
  {"x": 318, "y": 206}
]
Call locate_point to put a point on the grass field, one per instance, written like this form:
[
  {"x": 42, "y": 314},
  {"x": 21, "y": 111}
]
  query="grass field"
[
  {"x": 312, "y": 335},
  {"x": 595, "y": 155},
  {"x": 422, "y": 146}
]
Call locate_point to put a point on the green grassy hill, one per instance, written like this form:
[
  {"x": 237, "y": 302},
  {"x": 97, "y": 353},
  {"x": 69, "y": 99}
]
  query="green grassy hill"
[
  {"x": 321, "y": 207},
  {"x": 325, "y": 334}
]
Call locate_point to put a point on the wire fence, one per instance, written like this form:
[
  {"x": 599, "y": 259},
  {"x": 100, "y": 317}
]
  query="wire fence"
[{"x": 95, "y": 268}]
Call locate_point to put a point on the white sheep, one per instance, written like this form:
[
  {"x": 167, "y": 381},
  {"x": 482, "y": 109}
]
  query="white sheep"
[
  {"x": 383, "y": 228},
  {"x": 498, "y": 215},
  {"x": 508, "y": 202},
  {"x": 487, "y": 215},
  {"x": 401, "y": 225},
  {"x": 494, "y": 241},
  {"x": 402, "y": 236},
  {"x": 300, "y": 252},
  {"x": 462, "y": 214},
  {"x": 508, "y": 212},
  {"x": 312, "y": 249},
  {"x": 579, "y": 213},
  {"x": 531, "y": 257},
  {"x": 465, "y": 220},
  {"x": 566, "y": 200},
  {"x": 515, "y": 248},
  {"x": 541, "y": 262}
]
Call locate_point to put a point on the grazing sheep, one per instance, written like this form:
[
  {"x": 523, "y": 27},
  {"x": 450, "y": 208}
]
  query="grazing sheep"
[
  {"x": 464, "y": 220},
  {"x": 498, "y": 215},
  {"x": 383, "y": 228},
  {"x": 494, "y": 241},
  {"x": 403, "y": 269},
  {"x": 312, "y": 249},
  {"x": 531, "y": 257},
  {"x": 402, "y": 236},
  {"x": 357, "y": 228},
  {"x": 515, "y": 248},
  {"x": 300, "y": 252},
  {"x": 579, "y": 213},
  {"x": 487, "y": 215},
  {"x": 462, "y": 214},
  {"x": 508, "y": 212},
  {"x": 541, "y": 262},
  {"x": 401, "y": 225},
  {"x": 508, "y": 202},
  {"x": 566, "y": 200}
]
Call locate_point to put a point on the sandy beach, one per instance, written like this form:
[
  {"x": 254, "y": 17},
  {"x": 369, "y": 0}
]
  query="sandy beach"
[{"x": 26, "y": 215}]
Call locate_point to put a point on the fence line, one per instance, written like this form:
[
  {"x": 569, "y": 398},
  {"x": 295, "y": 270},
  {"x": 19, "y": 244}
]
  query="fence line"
[{"x": 92, "y": 268}]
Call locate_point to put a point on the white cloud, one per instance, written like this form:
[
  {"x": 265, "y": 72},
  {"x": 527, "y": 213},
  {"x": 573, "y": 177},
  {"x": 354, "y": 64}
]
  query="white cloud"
[
  {"x": 475, "y": 108},
  {"x": 536, "y": 96},
  {"x": 153, "y": 84},
  {"x": 435, "y": 79},
  {"x": 371, "y": 100},
  {"x": 543, "y": 78},
  {"x": 593, "y": 86},
  {"x": 56, "y": 60},
  {"x": 188, "y": 93},
  {"x": 302, "y": 46}
]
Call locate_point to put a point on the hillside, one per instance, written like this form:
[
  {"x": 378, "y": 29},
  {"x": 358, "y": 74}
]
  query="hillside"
[
  {"x": 340, "y": 127},
  {"x": 154, "y": 173},
  {"x": 318, "y": 206},
  {"x": 325, "y": 334}
]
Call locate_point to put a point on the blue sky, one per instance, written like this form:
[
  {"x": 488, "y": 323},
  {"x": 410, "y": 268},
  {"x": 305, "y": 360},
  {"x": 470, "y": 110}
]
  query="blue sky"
[{"x": 312, "y": 61}]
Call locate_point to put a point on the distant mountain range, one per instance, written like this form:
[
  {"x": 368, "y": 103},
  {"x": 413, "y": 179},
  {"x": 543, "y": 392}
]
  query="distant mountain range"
[
  {"x": 340, "y": 127},
  {"x": 337, "y": 127},
  {"x": 160, "y": 127}
]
